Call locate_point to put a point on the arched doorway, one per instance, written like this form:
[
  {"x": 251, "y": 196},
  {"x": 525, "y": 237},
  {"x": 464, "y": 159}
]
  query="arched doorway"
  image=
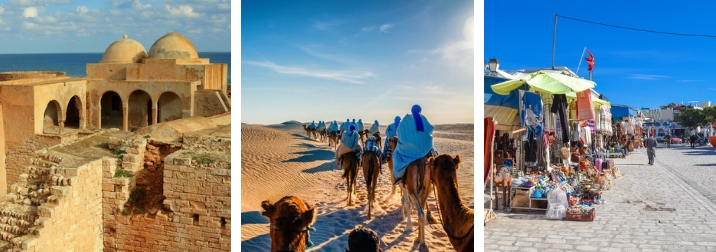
[
  {"x": 111, "y": 114},
  {"x": 170, "y": 106},
  {"x": 72, "y": 115},
  {"x": 50, "y": 120},
  {"x": 139, "y": 110}
]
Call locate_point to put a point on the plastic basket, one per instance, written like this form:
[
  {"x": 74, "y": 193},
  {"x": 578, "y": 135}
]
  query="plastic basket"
[{"x": 581, "y": 217}]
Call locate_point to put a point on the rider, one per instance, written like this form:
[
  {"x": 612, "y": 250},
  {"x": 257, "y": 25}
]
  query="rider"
[
  {"x": 389, "y": 133},
  {"x": 415, "y": 141},
  {"x": 375, "y": 127},
  {"x": 313, "y": 125},
  {"x": 333, "y": 127},
  {"x": 360, "y": 125},
  {"x": 349, "y": 143},
  {"x": 345, "y": 125}
]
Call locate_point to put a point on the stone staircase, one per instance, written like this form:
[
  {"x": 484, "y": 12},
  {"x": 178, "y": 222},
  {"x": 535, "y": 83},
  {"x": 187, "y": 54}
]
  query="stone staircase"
[{"x": 31, "y": 202}]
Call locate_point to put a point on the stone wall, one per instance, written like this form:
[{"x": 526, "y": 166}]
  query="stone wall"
[
  {"x": 75, "y": 222},
  {"x": 209, "y": 103},
  {"x": 196, "y": 212},
  {"x": 7, "y": 76},
  {"x": 19, "y": 156}
]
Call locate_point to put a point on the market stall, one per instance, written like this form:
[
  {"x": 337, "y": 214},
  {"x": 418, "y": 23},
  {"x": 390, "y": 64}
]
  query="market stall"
[{"x": 561, "y": 160}]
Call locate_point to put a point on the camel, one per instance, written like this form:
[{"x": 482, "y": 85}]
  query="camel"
[
  {"x": 350, "y": 173},
  {"x": 458, "y": 219},
  {"x": 416, "y": 186},
  {"x": 310, "y": 132},
  {"x": 378, "y": 138},
  {"x": 362, "y": 134},
  {"x": 371, "y": 171},
  {"x": 393, "y": 141},
  {"x": 290, "y": 218},
  {"x": 323, "y": 133},
  {"x": 503, "y": 178},
  {"x": 333, "y": 138}
]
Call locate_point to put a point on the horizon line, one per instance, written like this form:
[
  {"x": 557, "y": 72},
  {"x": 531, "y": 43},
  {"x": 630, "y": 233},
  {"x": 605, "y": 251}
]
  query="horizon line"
[{"x": 80, "y": 53}]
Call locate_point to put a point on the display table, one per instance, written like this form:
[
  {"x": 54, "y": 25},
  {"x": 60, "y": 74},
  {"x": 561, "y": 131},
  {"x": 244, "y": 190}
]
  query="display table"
[{"x": 530, "y": 205}]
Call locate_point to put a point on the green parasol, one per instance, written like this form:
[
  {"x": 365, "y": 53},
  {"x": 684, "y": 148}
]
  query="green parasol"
[{"x": 552, "y": 83}]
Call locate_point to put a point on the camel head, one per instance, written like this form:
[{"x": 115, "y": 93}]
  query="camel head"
[
  {"x": 393, "y": 141},
  {"x": 443, "y": 165},
  {"x": 376, "y": 135},
  {"x": 304, "y": 127},
  {"x": 290, "y": 219}
]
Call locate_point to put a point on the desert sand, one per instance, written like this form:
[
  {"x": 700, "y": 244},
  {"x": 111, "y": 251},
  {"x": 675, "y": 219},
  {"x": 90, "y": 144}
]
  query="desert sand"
[{"x": 279, "y": 160}]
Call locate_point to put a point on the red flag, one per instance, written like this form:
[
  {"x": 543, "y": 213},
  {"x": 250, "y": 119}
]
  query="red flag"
[{"x": 590, "y": 60}]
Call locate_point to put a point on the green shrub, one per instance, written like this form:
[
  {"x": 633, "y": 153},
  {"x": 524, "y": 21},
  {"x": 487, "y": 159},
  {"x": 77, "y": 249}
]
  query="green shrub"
[
  {"x": 121, "y": 173},
  {"x": 203, "y": 159}
]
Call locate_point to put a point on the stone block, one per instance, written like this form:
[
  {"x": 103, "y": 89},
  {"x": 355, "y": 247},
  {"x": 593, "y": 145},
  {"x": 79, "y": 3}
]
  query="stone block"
[
  {"x": 59, "y": 190},
  {"x": 182, "y": 161}
]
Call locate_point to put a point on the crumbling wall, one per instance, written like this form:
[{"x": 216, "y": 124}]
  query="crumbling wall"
[
  {"x": 20, "y": 155},
  {"x": 195, "y": 215},
  {"x": 75, "y": 222}
]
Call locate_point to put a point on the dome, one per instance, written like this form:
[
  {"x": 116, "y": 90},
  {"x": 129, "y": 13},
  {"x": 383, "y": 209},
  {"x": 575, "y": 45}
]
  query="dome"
[
  {"x": 173, "y": 46},
  {"x": 124, "y": 51}
]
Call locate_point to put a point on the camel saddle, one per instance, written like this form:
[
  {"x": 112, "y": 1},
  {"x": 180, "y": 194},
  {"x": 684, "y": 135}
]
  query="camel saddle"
[{"x": 431, "y": 153}]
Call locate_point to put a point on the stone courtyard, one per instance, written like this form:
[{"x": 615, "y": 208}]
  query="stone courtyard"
[{"x": 669, "y": 206}]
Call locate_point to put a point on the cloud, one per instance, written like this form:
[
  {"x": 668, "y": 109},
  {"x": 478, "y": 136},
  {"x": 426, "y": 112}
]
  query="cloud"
[
  {"x": 647, "y": 77},
  {"x": 182, "y": 11},
  {"x": 367, "y": 29},
  {"x": 122, "y": 3},
  {"x": 29, "y": 12},
  {"x": 2, "y": 10},
  {"x": 384, "y": 28},
  {"x": 216, "y": 30},
  {"x": 29, "y": 26},
  {"x": 58, "y": 1},
  {"x": 197, "y": 30},
  {"x": 343, "y": 76},
  {"x": 335, "y": 58},
  {"x": 321, "y": 26},
  {"x": 82, "y": 9},
  {"x": 137, "y": 5},
  {"x": 115, "y": 12},
  {"x": 22, "y": 3}
]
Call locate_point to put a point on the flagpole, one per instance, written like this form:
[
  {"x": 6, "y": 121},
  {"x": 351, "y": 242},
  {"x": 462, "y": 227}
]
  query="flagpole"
[
  {"x": 580, "y": 60},
  {"x": 554, "y": 39}
]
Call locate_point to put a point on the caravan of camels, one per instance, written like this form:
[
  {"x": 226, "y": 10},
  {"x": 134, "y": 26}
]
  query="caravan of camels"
[{"x": 420, "y": 173}]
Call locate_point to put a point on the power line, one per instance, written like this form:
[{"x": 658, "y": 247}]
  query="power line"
[{"x": 637, "y": 29}]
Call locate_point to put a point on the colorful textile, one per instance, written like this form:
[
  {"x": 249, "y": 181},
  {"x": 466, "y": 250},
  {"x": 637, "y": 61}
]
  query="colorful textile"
[
  {"x": 559, "y": 107},
  {"x": 333, "y": 127},
  {"x": 371, "y": 144},
  {"x": 312, "y": 126},
  {"x": 412, "y": 144},
  {"x": 321, "y": 125},
  {"x": 590, "y": 124},
  {"x": 531, "y": 112},
  {"x": 584, "y": 105}
]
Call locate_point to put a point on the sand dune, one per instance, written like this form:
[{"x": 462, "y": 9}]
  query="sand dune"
[{"x": 279, "y": 160}]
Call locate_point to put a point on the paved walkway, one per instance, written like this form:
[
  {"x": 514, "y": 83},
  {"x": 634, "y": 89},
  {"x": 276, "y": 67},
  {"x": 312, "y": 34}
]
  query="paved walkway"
[{"x": 670, "y": 206}]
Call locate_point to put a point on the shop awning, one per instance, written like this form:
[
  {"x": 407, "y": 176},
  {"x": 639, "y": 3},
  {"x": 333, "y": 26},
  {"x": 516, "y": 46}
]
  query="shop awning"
[
  {"x": 552, "y": 83},
  {"x": 506, "y": 118}
]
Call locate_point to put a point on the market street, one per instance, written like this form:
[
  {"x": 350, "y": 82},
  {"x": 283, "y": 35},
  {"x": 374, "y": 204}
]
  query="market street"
[{"x": 670, "y": 206}]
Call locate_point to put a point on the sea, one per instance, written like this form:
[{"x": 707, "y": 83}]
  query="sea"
[{"x": 75, "y": 64}]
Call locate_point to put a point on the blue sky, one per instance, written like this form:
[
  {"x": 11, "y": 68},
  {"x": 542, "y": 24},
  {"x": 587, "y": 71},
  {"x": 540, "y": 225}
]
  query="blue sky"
[
  {"x": 332, "y": 60},
  {"x": 72, "y": 26},
  {"x": 634, "y": 68}
]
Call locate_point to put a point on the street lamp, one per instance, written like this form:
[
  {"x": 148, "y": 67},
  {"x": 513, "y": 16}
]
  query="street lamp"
[{"x": 494, "y": 64}]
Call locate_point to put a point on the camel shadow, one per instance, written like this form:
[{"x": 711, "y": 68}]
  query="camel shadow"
[
  {"x": 321, "y": 168},
  {"x": 258, "y": 243},
  {"x": 335, "y": 226},
  {"x": 312, "y": 155},
  {"x": 253, "y": 217}
]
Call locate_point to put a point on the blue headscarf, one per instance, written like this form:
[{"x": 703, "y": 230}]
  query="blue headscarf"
[
  {"x": 397, "y": 121},
  {"x": 416, "y": 116},
  {"x": 353, "y": 128}
]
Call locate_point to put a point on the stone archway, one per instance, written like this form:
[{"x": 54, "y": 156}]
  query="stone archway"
[
  {"x": 138, "y": 111},
  {"x": 51, "y": 119},
  {"x": 170, "y": 106},
  {"x": 111, "y": 114},
  {"x": 72, "y": 115}
]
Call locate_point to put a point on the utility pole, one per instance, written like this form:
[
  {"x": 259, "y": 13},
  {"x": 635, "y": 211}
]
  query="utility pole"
[{"x": 554, "y": 39}]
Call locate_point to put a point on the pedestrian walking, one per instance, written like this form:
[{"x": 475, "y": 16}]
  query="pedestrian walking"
[
  {"x": 651, "y": 148},
  {"x": 667, "y": 141},
  {"x": 693, "y": 139}
]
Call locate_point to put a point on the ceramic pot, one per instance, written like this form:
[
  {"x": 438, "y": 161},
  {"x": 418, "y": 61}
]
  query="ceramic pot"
[{"x": 712, "y": 140}]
